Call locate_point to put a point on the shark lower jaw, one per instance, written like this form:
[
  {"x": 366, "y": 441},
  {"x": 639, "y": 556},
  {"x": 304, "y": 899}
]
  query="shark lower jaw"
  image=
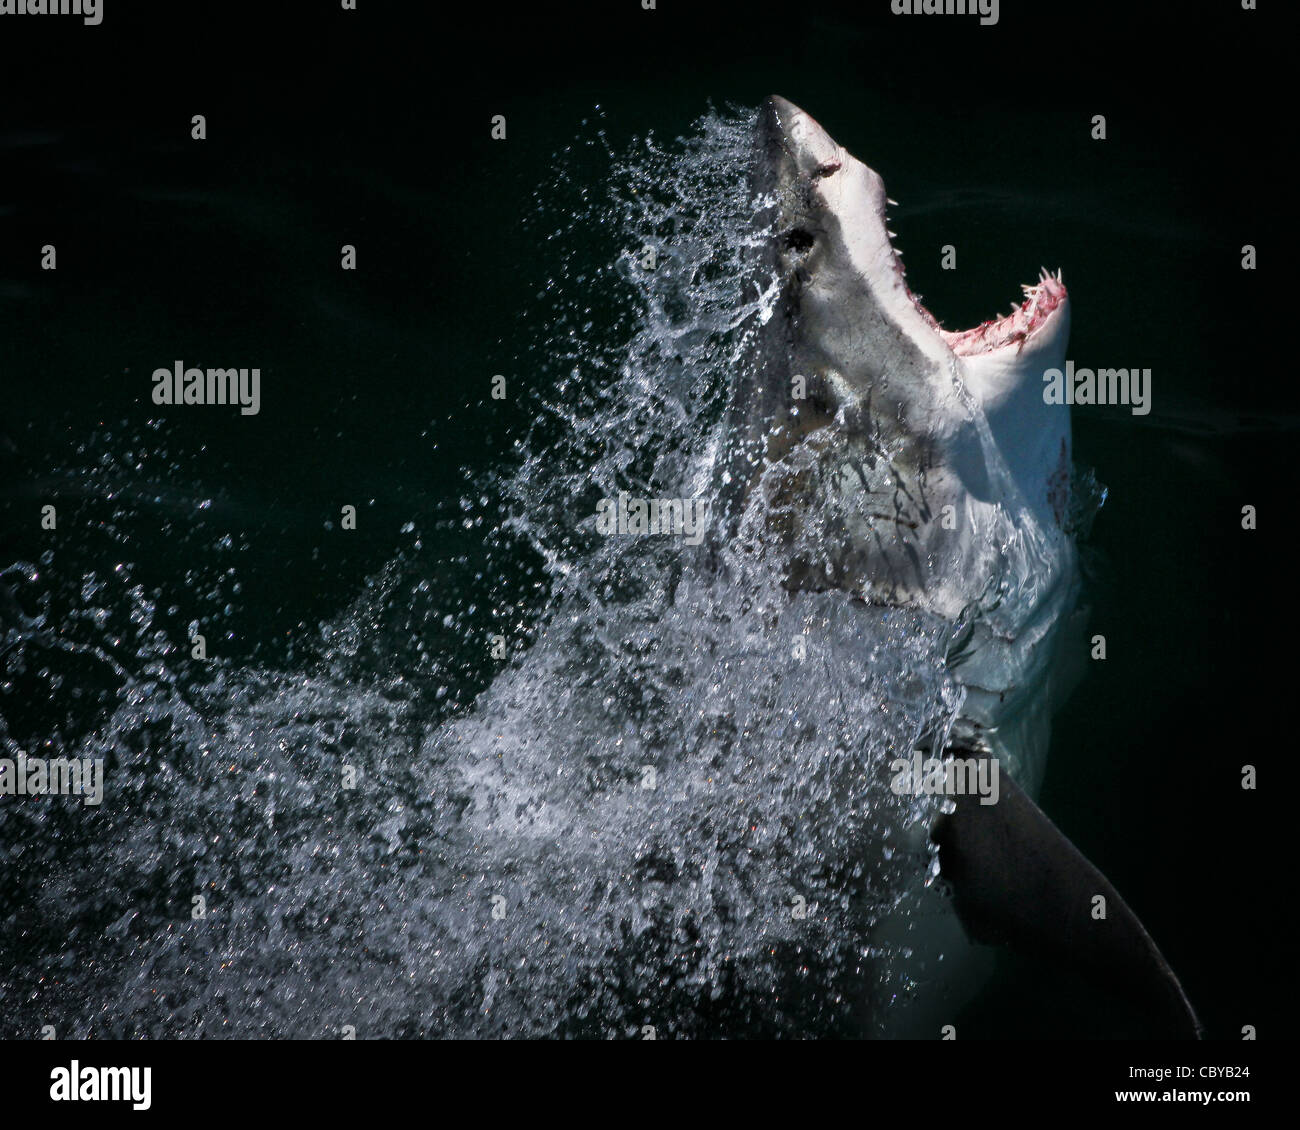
[{"x": 1030, "y": 317}]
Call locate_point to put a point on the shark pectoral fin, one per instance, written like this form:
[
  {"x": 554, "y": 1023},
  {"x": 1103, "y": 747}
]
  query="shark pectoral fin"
[{"x": 1017, "y": 879}]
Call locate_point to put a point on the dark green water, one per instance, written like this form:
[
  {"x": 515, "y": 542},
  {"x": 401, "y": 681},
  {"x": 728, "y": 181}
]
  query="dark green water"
[{"x": 376, "y": 383}]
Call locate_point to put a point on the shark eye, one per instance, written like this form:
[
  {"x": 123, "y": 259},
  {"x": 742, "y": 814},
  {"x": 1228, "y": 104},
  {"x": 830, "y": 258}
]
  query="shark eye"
[{"x": 798, "y": 240}]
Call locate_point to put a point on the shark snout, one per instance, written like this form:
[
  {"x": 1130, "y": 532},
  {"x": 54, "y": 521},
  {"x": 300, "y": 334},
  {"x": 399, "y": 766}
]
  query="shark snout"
[{"x": 793, "y": 139}]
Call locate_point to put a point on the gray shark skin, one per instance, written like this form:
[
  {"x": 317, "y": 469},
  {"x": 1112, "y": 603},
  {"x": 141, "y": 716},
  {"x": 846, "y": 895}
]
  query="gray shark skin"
[{"x": 874, "y": 453}]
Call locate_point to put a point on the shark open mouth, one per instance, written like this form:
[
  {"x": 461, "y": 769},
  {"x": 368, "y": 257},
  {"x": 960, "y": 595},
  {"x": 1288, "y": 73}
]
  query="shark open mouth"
[
  {"x": 1040, "y": 300},
  {"x": 1029, "y": 315}
]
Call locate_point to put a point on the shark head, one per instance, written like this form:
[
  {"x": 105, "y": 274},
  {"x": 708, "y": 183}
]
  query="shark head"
[{"x": 880, "y": 454}]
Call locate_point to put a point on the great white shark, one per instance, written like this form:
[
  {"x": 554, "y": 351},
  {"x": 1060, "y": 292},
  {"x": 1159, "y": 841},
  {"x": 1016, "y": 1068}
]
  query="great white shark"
[
  {"x": 655, "y": 817},
  {"x": 873, "y": 452}
]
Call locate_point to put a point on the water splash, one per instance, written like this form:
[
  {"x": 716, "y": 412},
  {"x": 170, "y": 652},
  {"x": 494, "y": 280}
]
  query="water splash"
[{"x": 672, "y": 810}]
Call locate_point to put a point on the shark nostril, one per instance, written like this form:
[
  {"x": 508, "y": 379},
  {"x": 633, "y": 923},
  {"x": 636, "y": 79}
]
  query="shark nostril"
[{"x": 798, "y": 240}]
